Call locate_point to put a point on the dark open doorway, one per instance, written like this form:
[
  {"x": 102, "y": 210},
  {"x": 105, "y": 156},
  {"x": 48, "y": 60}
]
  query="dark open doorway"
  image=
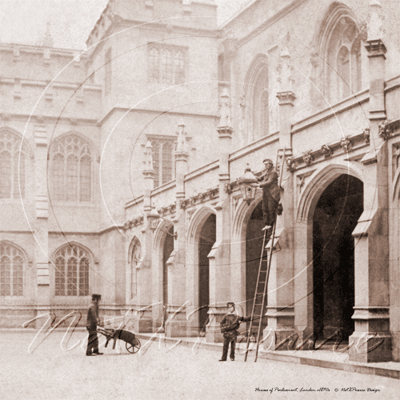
[
  {"x": 336, "y": 215},
  {"x": 206, "y": 242},
  {"x": 167, "y": 250}
]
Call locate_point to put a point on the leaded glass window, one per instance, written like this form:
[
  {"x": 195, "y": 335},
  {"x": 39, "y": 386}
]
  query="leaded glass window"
[
  {"x": 11, "y": 270},
  {"x": 12, "y": 166},
  {"x": 167, "y": 64},
  {"x": 72, "y": 271},
  {"x": 71, "y": 170}
]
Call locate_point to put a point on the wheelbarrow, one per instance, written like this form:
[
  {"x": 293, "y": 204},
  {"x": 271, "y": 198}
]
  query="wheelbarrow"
[{"x": 132, "y": 343}]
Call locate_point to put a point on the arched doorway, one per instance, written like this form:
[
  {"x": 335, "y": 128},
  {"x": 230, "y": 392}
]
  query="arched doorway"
[
  {"x": 167, "y": 250},
  {"x": 335, "y": 217},
  {"x": 254, "y": 241},
  {"x": 206, "y": 242}
]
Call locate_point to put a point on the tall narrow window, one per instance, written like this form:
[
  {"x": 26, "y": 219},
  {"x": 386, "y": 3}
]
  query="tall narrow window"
[
  {"x": 154, "y": 65},
  {"x": 135, "y": 259},
  {"x": 12, "y": 166},
  {"x": 107, "y": 72},
  {"x": 163, "y": 161},
  {"x": 11, "y": 270},
  {"x": 260, "y": 108},
  {"x": 72, "y": 271},
  {"x": 179, "y": 68},
  {"x": 343, "y": 67},
  {"x": 71, "y": 170},
  {"x": 166, "y": 67}
]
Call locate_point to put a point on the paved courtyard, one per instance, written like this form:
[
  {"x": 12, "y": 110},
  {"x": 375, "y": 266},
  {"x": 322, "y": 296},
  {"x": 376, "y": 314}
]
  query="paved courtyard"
[{"x": 158, "y": 372}]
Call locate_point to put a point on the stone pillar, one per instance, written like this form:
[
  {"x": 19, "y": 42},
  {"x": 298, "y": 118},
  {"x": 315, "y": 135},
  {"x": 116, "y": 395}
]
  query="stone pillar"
[
  {"x": 176, "y": 323},
  {"x": 280, "y": 302},
  {"x": 144, "y": 295},
  {"x": 41, "y": 225},
  {"x": 371, "y": 340},
  {"x": 219, "y": 256}
]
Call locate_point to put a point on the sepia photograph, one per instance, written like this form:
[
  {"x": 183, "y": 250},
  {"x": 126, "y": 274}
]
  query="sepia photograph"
[{"x": 199, "y": 199}]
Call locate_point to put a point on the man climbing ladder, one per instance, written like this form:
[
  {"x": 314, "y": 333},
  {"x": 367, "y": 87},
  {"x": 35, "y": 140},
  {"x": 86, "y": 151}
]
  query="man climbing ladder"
[{"x": 271, "y": 185}]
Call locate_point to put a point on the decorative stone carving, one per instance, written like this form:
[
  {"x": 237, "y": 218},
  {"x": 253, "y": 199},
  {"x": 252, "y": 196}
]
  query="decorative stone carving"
[
  {"x": 308, "y": 158},
  {"x": 384, "y": 130},
  {"x": 181, "y": 145},
  {"x": 366, "y": 135},
  {"x": 326, "y": 151},
  {"x": 346, "y": 143},
  {"x": 228, "y": 187},
  {"x": 375, "y": 20},
  {"x": 225, "y": 110}
]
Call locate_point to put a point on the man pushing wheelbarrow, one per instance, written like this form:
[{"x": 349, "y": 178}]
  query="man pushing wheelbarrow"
[{"x": 132, "y": 343}]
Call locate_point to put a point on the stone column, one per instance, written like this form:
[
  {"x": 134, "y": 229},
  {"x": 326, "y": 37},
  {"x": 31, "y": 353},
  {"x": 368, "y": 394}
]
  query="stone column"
[
  {"x": 176, "y": 323},
  {"x": 144, "y": 295},
  {"x": 41, "y": 225},
  {"x": 280, "y": 302},
  {"x": 220, "y": 282},
  {"x": 371, "y": 340}
]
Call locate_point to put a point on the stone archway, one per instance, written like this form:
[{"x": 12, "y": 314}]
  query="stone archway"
[
  {"x": 201, "y": 237},
  {"x": 335, "y": 217},
  {"x": 313, "y": 209}
]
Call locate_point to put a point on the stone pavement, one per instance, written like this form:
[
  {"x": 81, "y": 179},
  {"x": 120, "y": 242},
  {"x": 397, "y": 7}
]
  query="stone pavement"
[
  {"x": 165, "y": 370},
  {"x": 326, "y": 357}
]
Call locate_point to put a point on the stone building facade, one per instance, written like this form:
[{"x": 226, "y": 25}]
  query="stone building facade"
[{"x": 164, "y": 112}]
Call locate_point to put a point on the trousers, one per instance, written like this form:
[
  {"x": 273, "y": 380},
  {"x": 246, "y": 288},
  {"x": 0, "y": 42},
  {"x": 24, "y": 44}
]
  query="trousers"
[
  {"x": 225, "y": 348},
  {"x": 93, "y": 341}
]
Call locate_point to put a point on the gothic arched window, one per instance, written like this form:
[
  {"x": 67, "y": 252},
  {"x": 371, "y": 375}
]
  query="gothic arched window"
[
  {"x": 11, "y": 270},
  {"x": 135, "y": 259},
  {"x": 12, "y": 166},
  {"x": 258, "y": 98},
  {"x": 71, "y": 170},
  {"x": 72, "y": 265},
  {"x": 343, "y": 69}
]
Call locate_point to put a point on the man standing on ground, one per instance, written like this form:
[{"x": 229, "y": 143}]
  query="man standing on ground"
[
  {"x": 229, "y": 327},
  {"x": 91, "y": 325}
]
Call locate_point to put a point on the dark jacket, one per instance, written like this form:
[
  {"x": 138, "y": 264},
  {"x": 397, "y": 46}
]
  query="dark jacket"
[
  {"x": 92, "y": 315},
  {"x": 230, "y": 324},
  {"x": 270, "y": 184}
]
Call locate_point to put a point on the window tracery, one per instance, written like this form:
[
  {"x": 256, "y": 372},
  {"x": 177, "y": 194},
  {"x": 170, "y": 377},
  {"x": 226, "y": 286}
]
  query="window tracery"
[
  {"x": 11, "y": 270},
  {"x": 72, "y": 265},
  {"x": 163, "y": 161},
  {"x": 167, "y": 64},
  {"x": 71, "y": 170},
  {"x": 12, "y": 166}
]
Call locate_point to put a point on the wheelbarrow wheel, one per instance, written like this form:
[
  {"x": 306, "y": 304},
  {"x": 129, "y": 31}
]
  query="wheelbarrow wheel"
[{"x": 134, "y": 346}]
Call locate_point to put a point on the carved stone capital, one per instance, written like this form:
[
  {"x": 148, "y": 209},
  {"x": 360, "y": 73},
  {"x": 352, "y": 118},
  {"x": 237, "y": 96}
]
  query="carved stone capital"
[
  {"x": 376, "y": 48},
  {"x": 286, "y": 97},
  {"x": 228, "y": 187}
]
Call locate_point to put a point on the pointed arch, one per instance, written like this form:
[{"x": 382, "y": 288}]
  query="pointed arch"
[
  {"x": 13, "y": 261},
  {"x": 14, "y": 156},
  {"x": 257, "y": 97},
  {"x": 72, "y": 157},
  {"x": 318, "y": 182},
  {"x": 135, "y": 257},
  {"x": 72, "y": 263},
  {"x": 338, "y": 46}
]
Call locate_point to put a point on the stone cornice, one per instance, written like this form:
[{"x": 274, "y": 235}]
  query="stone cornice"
[
  {"x": 199, "y": 198},
  {"x": 343, "y": 146}
]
